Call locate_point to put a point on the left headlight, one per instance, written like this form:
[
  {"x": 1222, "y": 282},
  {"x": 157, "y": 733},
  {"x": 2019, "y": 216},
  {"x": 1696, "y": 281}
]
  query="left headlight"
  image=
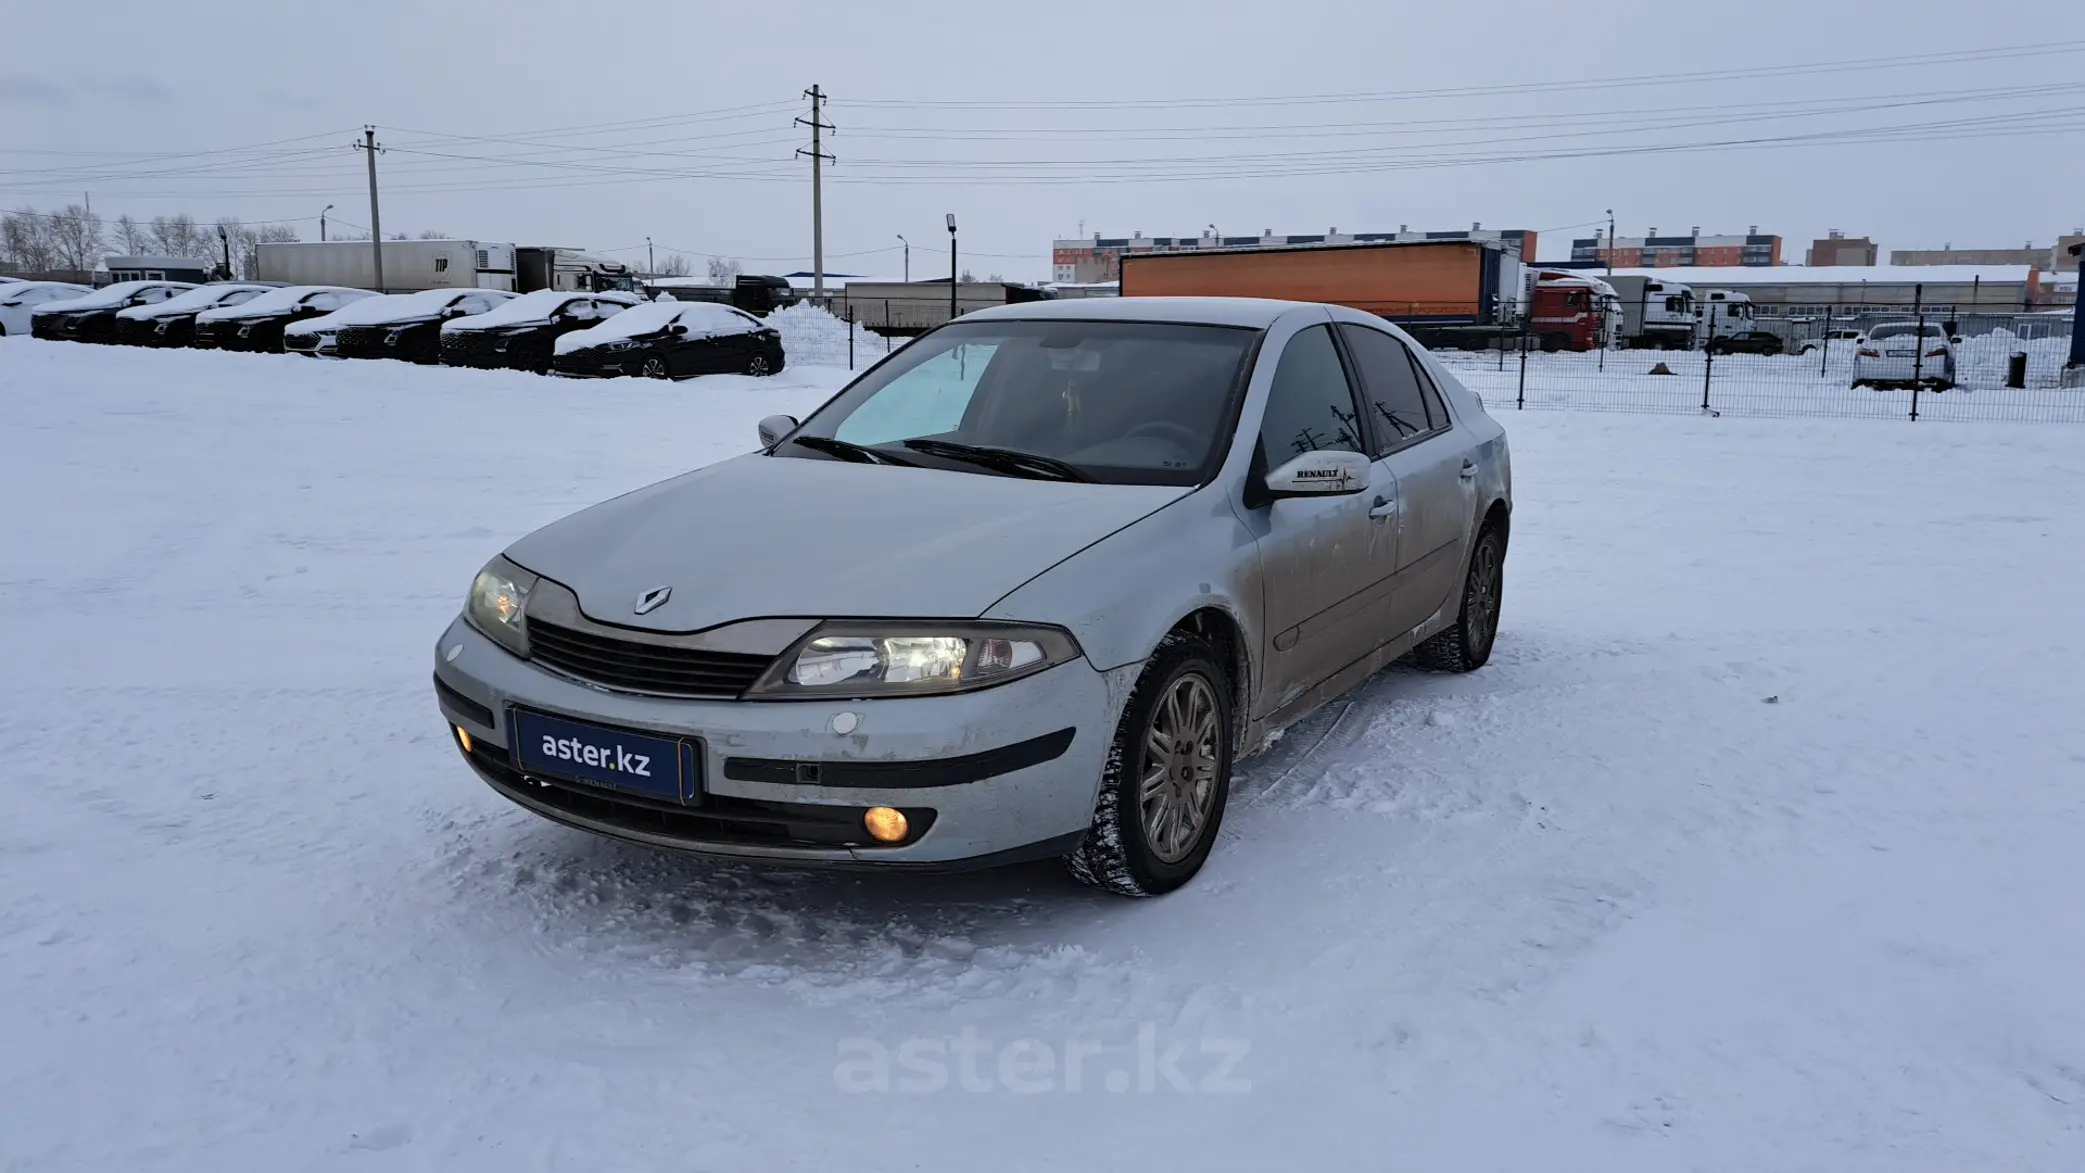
[
  {"x": 498, "y": 604},
  {"x": 903, "y": 659},
  {"x": 625, "y": 344}
]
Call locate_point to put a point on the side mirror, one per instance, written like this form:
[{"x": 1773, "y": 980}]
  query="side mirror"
[
  {"x": 774, "y": 427},
  {"x": 1330, "y": 473},
  {"x": 678, "y": 330}
]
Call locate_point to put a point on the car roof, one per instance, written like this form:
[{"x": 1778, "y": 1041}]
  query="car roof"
[{"x": 1206, "y": 311}]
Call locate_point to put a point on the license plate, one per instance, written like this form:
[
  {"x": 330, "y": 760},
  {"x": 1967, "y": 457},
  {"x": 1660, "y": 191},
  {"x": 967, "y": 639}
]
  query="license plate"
[{"x": 659, "y": 767}]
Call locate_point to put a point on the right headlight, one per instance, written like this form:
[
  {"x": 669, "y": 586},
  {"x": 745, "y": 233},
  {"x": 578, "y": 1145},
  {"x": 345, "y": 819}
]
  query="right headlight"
[
  {"x": 873, "y": 659},
  {"x": 498, "y": 604}
]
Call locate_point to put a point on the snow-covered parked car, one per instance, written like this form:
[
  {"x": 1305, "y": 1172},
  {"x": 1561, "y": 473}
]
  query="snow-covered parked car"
[
  {"x": 92, "y": 318},
  {"x": 19, "y": 299},
  {"x": 403, "y": 325},
  {"x": 172, "y": 322},
  {"x": 1898, "y": 354},
  {"x": 672, "y": 340},
  {"x": 258, "y": 324},
  {"x": 520, "y": 334},
  {"x": 1026, "y": 588},
  {"x": 1838, "y": 337}
]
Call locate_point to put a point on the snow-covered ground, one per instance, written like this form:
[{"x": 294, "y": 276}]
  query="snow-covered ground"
[{"x": 1757, "y": 846}]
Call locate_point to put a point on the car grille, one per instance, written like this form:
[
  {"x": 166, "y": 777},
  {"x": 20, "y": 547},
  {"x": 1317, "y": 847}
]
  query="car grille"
[
  {"x": 361, "y": 337},
  {"x": 643, "y": 667}
]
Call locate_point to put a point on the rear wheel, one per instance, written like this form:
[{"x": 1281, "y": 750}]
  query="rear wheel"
[
  {"x": 1168, "y": 776},
  {"x": 1465, "y": 646},
  {"x": 654, "y": 366}
]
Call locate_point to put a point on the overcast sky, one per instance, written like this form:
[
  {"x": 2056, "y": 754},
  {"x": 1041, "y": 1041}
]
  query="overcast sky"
[{"x": 598, "y": 124}]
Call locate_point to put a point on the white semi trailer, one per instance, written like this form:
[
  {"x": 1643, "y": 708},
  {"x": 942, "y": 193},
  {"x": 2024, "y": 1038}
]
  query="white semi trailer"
[{"x": 414, "y": 265}]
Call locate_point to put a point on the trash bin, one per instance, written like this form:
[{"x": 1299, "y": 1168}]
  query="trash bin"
[{"x": 2016, "y": 371}]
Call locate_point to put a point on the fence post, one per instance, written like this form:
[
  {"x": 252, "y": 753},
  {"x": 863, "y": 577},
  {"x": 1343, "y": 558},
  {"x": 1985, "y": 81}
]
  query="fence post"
[
  {"x": 1918, "y": 352},
  {"x": 1520, "y": 397},
  {"x": 1708, "y": 353},
  {"x": 850, "y": 335},
  {"x": 1825, "y": 362}
]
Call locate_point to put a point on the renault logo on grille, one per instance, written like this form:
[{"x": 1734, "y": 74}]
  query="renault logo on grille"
[{"x": 653, "y": 599}]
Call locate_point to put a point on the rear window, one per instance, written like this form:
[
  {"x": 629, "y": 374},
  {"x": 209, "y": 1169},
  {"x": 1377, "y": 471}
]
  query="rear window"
[{"x": 1906, "y": 330}]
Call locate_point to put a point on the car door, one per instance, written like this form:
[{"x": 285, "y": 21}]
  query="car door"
[
  {"x": 1325, "y": 562},
  {"x": 1416, "y": 445}
]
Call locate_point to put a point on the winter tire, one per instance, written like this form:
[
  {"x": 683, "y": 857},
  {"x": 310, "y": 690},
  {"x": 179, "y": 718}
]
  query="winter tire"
[
  {"x": 1465, "y": 646},
  {"x": 759, "y": 367},
  {"x": 1167, "y": 777},
  {"x": 654, "y": 367}
]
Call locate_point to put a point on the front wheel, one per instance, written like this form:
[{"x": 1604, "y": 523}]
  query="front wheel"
[
  {"x": 759, "y": 367},
  {"x": 654, "y": 366},
  {"x": 1465, "y": 646},
  {"x": 1168, "y": 776}
]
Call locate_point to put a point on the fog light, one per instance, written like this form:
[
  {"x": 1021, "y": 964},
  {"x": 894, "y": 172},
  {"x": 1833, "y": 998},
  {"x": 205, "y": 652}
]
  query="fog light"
[
  {"x": 885, "y": 825},
  {"x": 464, "y": 739}
]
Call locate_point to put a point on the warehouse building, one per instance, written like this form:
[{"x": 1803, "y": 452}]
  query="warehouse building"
[
  {"x": 1653, "y": 251},
  {"x": 1803, "y": 289}
]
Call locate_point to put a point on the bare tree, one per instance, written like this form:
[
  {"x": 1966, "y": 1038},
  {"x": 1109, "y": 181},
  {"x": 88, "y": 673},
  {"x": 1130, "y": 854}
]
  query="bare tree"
[
  {"x": 132, "y": 237},
  {"x": 675, "y": 265},
  {"x": 723, "y": 270},
  {"x": 76, "y": 237},
  {"x": 431, "y": 234},
  {"x": 25, "y": 240},
  {"x": 180, "y": 236}
]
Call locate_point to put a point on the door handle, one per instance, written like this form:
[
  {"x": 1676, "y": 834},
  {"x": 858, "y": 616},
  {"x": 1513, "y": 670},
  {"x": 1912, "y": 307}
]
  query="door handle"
[
  {"x": 1469, "y": 469},
  {"x": 1383, "y": 508}
]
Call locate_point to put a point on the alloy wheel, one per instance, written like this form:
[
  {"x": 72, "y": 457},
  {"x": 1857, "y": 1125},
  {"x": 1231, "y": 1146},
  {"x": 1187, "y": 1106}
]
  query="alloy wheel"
[
  {"x": 655, "y": 367},
  {"x": 1481, "y": 607},
  {"x": 1178, "y": 782},
  {"x": 758, "y": 366}
]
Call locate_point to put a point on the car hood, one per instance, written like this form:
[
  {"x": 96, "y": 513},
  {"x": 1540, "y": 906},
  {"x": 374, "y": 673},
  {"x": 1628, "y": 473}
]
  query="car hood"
[{"x": 758, "y": 536}]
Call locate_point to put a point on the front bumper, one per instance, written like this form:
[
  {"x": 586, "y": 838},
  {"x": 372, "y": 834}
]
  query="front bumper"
[{"x": 960, "y": 760}]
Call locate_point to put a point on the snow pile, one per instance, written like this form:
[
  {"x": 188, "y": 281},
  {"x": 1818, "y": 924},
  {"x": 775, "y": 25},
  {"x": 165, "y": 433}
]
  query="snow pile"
[
  {"x": 702, "y": 319},
  {"x": 277, "y": 301},
  {"x": 106, "y": 296},
  {"x": 194, "y": 301},
  {"x": 815, "y": 336}
]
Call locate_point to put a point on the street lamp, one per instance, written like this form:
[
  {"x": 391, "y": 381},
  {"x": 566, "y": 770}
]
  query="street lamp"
[
  {"x": 322, "y": 220},
  {"x": 227, "y": 251},
  {"x": 952, "y": 266},
  {"x": 908, "y": 257},
  {"x": 1610, "y": 242}
]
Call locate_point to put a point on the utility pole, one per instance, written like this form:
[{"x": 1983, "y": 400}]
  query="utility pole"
[
  {"x": 1610, "y": 242},
  {"x": 952, "y": 267},
  {"x": 376, "y": 223},
  {"x": 908, "y": 257},
  {"x": 651, "y": 266},
  {"x": 818, "y": 158},
  {"x": 322, "y": 222}
]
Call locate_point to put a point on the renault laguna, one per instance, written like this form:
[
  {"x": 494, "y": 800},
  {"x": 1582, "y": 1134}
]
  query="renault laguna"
[{"x": 1027, "y": 588}]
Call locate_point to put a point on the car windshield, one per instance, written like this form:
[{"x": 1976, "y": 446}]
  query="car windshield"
[
  {"x": 1904, "y": 330},
  {"x": 1121, "y": 402}
]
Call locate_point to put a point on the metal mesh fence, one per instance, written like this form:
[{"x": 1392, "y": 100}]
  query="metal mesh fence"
[{"x": 1888, "y": 364}]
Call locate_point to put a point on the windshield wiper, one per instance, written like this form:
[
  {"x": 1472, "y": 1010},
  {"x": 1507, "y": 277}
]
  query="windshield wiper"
[
  {"x": 846, "y": 450},
  {"x": 1007, "y": 460}
]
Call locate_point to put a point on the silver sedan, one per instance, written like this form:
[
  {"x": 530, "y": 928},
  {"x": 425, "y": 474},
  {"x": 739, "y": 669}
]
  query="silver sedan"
[{"x": 1027, "y": 588}]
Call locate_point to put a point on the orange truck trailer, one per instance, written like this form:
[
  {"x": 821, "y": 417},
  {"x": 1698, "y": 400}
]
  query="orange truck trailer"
[{"x": 1453, "y": 293}]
